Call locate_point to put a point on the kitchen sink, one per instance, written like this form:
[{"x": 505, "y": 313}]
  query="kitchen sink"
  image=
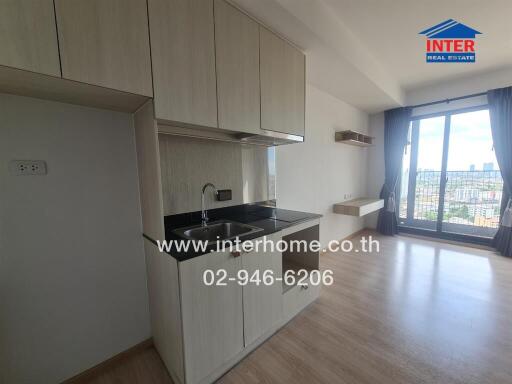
[{"x": 216, "y": 230}]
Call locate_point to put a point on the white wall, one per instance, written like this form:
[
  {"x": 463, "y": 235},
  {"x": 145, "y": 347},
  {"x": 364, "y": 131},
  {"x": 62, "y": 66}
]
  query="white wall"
[
  {"x": 314, "y": 175},
  {"x": 463, "y": 86},
  {"x": 72, "y": 270},
  {"x": 375, "y": 164}
]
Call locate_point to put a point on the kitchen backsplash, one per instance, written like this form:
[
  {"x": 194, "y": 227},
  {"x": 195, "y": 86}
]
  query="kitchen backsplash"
[{"x": 188, "y": 163}]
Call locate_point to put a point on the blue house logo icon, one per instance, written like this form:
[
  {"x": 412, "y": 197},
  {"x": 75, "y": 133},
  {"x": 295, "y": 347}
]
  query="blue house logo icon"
[{"x": 450, "y": 42}]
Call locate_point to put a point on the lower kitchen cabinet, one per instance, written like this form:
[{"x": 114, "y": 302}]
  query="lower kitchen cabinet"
[
  {"x": 165, "y": 309},
  {"x": 262, "y": 303},
  {"x": 202, "y": 328},
  {"x": 212, "y": 314}
]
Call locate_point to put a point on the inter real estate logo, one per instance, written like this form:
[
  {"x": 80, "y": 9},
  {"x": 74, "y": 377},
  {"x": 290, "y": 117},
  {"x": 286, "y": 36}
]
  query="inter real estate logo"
[{"x": 450, "y": 42}]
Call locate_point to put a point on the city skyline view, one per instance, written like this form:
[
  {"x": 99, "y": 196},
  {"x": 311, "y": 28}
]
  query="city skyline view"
[
  {"x": 473, "y": 144},
  {"x": 473, "y": 185}
]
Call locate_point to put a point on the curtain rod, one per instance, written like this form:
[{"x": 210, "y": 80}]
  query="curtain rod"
[{"x": 449, "y": 100}]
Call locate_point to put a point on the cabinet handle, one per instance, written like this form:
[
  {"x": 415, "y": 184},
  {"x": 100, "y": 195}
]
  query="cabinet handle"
[{"x": 236, "y": 253}]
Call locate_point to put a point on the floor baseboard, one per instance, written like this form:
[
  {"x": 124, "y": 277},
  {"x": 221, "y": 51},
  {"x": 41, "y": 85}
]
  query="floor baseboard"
[
  {"x": 104, "y": 366},
  {"x": 447, "y": 241},
  {"x": 357, "y": 233},
  {"x": 349, "y": 237}
]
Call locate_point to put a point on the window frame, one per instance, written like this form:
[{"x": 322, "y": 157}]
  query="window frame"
[{"x": 437, "y": 233}]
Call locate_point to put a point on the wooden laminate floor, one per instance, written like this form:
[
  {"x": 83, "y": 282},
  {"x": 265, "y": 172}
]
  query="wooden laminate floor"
[{"x": 417, "y": 312}]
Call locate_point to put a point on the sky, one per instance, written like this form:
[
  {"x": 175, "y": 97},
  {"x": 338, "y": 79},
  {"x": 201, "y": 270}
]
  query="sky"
[{"x": 470, "y": 142}]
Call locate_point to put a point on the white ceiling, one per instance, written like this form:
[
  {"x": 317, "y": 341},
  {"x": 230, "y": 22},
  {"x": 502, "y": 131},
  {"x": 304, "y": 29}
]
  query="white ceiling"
[
  {"x": 369, "y": 53},
  {"x": 389, "y": 28},
  {"x": 336, "y": 61}
]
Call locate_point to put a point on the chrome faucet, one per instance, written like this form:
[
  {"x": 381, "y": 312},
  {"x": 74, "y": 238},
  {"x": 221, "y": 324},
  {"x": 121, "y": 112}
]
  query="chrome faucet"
[{"x": 204, "y": 212}]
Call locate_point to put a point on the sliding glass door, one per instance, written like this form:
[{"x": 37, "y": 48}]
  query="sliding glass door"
[{"x": 450, "y": 183}]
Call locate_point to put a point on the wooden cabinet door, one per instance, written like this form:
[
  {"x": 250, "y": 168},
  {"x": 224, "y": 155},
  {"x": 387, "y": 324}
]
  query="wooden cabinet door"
[
  {"x": 212, "y": 315},
  {"x": 262, "y": 303},
  {"x": 28, "y": 37},
  {"x": 105, "y": 43},
  {"x": 183, "y": 56},
  {"x": 164, "y": 308},
  {"x": 237, "y": 56},
  {"x": 282, "y": 85}
]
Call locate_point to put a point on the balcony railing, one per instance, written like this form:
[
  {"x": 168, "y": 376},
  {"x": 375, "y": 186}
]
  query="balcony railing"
[{"x": 472, "y": 201}]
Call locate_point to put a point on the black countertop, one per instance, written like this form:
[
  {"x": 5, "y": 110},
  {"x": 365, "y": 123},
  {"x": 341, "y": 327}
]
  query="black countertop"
[{"x": 269, "y": 219}]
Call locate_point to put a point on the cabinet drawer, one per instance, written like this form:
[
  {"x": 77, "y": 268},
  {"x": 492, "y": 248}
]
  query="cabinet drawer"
[{"x": 297, "y": 298}]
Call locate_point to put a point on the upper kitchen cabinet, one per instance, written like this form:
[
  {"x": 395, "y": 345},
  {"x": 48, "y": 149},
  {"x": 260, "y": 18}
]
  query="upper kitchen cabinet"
[
  {"x": 183, "y": 57},
  {"x": 28, "y": 38},
  {"x": 105, "y": 43},
  {"x": 237, "y": 45},
  {"x": 282, "y": 85}
]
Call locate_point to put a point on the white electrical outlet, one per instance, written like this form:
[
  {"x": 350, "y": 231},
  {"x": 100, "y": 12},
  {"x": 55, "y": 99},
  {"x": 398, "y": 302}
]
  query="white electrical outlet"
[{"x": 27, "y": 167}]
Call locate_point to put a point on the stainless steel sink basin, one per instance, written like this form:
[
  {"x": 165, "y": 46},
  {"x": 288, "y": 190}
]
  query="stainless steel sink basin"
[{"x": 216, "y": 230}]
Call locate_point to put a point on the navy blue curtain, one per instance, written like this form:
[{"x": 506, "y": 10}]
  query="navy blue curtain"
[
  {"x": 500, "y": 110},
  {"x": 396, "y": 127}
]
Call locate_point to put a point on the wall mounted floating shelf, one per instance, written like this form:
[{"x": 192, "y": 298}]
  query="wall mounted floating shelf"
[
  {"x": 358, "y": 207},
  {"x": 353, "y": 138}
]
